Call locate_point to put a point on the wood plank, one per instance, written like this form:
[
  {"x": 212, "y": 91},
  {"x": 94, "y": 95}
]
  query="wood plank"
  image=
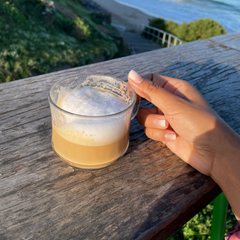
[
  {"x": 148, "y": 191},
  {"x": 228, "y": 40}
]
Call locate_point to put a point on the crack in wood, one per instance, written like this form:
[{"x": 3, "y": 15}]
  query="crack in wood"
[{"x": 222, "y": 45}]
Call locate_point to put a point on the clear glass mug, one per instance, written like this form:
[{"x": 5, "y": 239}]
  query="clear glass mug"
[{"x": 91, "y": 142}]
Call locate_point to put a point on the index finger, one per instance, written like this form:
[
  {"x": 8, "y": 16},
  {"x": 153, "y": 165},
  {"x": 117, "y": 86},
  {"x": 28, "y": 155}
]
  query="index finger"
[
  {"x": 171, "y": 85},
  {"x": 177, "y": 87}
]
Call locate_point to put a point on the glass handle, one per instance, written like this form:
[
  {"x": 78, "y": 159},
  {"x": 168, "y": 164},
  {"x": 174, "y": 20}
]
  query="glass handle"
[{"x": 136, "y": 107}]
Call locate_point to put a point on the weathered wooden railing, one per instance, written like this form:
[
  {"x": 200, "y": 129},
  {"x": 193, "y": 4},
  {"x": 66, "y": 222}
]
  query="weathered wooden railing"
[{"x": 147, "y": 194}]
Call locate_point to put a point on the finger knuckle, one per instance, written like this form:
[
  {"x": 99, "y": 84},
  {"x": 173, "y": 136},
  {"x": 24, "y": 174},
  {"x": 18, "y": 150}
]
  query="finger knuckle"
[
  {"x": 151, "y": 87},
  {"x": 186, "y": 84}
]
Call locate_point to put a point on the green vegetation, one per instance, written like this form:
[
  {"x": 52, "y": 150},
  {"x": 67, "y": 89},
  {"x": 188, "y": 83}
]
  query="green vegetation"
[
  {"x": 196, "y": 30},
  {"x": 199, "y": 227},
  {"x": 36, "y": 36}
]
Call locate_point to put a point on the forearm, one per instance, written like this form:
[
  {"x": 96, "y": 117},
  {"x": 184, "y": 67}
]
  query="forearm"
[{"x": 226, "y": 169}]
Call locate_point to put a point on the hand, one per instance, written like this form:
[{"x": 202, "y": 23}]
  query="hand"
[
  {"x": 191, "y": 129},
  {"x": 182, "y": 119}
]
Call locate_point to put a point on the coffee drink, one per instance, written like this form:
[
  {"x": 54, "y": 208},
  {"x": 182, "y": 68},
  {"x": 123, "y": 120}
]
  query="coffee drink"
[{"x": 86, "y": 138}]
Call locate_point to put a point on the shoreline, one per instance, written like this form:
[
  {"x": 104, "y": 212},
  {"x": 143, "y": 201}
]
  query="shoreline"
[
  {"x": 147, "y": 12},
  {"x": 138, "y": 8},
  {"x": 126, "y": 13},
  {"x": 121, "y": 13}
]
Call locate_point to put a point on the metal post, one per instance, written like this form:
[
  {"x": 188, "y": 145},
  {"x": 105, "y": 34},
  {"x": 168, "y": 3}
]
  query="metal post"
[
  {"x": 169, "y": 41},
  {"x": 175, "y": 42},
  {"x": 163, "y": 40},
  {"x": 219, "y": 217}
]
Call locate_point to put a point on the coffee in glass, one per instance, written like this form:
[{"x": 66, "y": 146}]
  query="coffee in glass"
[{"x": 90, "y": 119}]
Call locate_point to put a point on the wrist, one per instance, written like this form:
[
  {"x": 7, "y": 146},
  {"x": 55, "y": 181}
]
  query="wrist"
[
  {"x": 226, "y": 167},
  {"x": 227, "y": 155}
]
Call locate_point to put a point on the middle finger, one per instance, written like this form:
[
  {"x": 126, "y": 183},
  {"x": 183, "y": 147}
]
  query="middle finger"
[{"x": 149, "y": 117}]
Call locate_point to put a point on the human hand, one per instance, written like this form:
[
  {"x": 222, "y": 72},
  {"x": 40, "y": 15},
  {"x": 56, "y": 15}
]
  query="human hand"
[{"x": 183, "y": 120}]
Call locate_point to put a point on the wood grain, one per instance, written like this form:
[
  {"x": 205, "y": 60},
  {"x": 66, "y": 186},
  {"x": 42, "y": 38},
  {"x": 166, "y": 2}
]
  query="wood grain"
[
  {"x": 228, "y": 41},
  {"x": 147, "y": 194}
]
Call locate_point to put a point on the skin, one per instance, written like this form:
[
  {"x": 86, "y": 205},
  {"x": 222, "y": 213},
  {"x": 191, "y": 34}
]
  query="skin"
[{"x": 185, "y": 122}]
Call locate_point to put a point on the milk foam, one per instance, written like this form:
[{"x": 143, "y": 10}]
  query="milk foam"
[
  {"x": 93, "y": 135},
  {"x": 91, "y": 102},
  {"x": 93, "y": 131}
]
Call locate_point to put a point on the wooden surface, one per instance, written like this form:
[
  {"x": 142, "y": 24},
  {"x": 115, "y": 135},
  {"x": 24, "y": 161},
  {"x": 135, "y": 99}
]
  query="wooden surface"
[{"x": 147, "y": 194}]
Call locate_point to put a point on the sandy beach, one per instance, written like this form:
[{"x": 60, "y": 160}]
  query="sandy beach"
[{"x": 123, "y": 14}]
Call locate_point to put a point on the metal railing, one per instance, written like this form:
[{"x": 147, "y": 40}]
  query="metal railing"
[
  {"x": 158, "y": 36},
  {"x": 161, "y": 37}
]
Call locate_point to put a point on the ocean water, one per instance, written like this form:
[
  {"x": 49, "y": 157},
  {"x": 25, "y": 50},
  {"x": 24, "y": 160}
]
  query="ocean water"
[{"x": 226, "y": 12}]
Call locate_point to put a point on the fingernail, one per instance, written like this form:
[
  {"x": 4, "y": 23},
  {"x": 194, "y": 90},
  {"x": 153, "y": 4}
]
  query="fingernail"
[
  {"x": 170, "y": 136},
  {"x": 160, "y": 123},
  {"x": 135, "y": 77}
]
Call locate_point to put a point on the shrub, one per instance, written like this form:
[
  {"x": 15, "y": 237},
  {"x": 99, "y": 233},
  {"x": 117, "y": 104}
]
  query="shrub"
[
  {"x": 158, "y": 23},
  {"x": 81, "y": 30},
  {"x": 199, "y": 227},
  {"x": 196, "y": 30}
]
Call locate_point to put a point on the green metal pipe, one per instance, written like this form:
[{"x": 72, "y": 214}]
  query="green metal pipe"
[{"x": 219, "y": 217}]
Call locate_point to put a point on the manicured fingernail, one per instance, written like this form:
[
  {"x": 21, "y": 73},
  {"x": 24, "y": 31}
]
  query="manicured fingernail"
[
  {"x": 160, "y": 123},
  {"x": 135, "y": 77},
  {"x": 170, "y": 136}
]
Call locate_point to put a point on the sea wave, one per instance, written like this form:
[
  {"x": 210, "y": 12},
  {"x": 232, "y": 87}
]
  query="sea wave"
[{"x": 226, "y": 12}]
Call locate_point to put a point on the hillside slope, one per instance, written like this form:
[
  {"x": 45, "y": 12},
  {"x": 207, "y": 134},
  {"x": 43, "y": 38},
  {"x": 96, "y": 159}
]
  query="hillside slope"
[{"x": 37, "y": 36}]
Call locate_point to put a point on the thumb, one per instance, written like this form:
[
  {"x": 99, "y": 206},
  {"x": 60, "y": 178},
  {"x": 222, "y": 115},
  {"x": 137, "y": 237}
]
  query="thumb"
[{"x": 152, "y": 92}]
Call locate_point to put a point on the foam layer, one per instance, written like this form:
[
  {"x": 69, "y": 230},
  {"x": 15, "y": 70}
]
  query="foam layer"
[
  {"x": 91, "y": 102},
  {"x": 93, "y": 131},
  {"x": 93, "y": 134}
]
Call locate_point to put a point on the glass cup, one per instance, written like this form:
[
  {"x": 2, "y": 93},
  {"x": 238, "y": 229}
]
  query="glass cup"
[{"x": 91, "y": 142}]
